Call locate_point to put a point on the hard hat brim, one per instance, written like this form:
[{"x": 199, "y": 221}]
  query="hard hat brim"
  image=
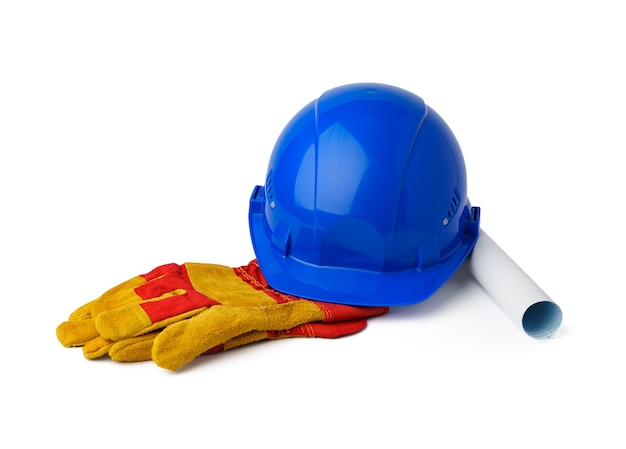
[{"x": 351, "y": 286}]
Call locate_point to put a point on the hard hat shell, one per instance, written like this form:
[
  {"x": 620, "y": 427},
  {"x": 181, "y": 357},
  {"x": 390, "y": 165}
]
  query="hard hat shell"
[{"x": 365, "y": 201}]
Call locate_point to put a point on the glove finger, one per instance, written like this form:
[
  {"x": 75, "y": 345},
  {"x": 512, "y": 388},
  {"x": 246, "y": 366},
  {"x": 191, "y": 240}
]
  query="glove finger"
[
  {"x": 137, "y": 349},
  {"x": 135, "y": 319},
  {"x": 161, "y": 301},
  {"x": 83, "y": 312},
  {"x": 76, "y": 332},
  {"x": 80, "y": 328},
  {"x": 118, "y": 296},
  {"x": 182, "y": 342},
  {"x": 96, "y": 348}
]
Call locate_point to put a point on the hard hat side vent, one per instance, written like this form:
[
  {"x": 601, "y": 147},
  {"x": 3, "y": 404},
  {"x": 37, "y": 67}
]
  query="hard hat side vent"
[
  {"x": 269, "y": 190},
  {"x": 455, "y": 202}
]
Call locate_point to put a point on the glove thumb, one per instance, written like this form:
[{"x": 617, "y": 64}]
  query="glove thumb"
[{"x": 181, "y": 342}]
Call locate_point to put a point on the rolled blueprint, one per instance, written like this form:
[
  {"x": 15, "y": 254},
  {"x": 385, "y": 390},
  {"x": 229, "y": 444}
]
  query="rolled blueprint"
[{"x": 513, "y": 290}]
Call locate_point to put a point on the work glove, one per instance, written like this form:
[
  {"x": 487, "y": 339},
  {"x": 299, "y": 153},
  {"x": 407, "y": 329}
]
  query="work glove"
[{"x": 127, "y": 321}]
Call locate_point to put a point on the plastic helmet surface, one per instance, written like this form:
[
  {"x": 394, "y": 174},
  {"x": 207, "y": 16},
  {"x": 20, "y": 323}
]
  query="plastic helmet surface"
[{"x": 365, "y": 201}]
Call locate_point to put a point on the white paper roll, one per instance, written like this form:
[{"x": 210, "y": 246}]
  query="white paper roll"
[{"x": 516, "y": 293}]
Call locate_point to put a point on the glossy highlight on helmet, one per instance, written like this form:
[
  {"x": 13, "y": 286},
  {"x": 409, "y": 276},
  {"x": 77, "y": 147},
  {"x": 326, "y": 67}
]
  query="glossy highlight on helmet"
[{"x": 365, "y": 200}]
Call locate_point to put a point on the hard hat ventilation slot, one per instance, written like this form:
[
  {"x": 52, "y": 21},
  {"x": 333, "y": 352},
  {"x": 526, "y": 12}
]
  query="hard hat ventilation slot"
[
  {"x": 455, "y": 202},
  {"x": 269, "y": 191}
]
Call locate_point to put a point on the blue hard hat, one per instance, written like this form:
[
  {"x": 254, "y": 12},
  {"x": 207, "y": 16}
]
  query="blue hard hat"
[{"x": 365, "y": 201}]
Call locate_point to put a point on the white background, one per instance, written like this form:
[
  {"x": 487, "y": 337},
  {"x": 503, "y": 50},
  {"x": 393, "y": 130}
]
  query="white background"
[{"x": 132, "y": 134}]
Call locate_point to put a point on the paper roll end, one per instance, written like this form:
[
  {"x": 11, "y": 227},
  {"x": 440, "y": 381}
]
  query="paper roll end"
[{"x": 542, "y": 320}]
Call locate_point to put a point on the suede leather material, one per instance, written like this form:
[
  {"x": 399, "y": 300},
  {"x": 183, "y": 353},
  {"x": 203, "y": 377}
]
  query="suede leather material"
[{"x": 176, "y": 313}]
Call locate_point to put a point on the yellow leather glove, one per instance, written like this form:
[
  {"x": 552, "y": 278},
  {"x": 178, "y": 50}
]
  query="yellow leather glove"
[{"x": 126, "y": 321}]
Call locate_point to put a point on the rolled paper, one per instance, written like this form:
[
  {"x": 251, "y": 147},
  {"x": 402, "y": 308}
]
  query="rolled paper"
[{"x": 513, "y": 290}]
